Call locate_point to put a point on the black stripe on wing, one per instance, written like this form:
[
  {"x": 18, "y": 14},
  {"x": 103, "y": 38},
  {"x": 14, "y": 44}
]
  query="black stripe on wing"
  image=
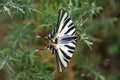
[
  {"x": 70, "y": 51},
  {"x": 65, "y": 55},
  {"x": 69, "y": 47},
  {"x": 70, "y": 25},
  {"x": 61, "y": 14},
  {"x": 70, "y": 29},
  {"x": 60, "y": 66},
  {"x": 65, "y": 22},
  {"x": 70, "y": 38}
]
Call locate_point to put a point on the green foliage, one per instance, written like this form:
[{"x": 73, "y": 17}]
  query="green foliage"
[
  {"x": 18, "y": 56},
  {"x": 16, "y": 7},
  {"x": 30, "y": 17}
]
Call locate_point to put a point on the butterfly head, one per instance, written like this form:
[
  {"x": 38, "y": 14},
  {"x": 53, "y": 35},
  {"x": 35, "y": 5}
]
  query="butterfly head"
[{"x": 46, "y": 37}]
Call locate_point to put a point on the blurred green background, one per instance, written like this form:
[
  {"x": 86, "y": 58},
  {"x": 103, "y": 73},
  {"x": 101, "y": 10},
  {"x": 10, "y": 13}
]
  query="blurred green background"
[{"x": 97, "y": 54}]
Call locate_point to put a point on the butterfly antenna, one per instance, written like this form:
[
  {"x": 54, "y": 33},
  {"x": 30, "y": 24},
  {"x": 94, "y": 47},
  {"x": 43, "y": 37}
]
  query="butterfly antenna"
[
  {"x": 46, "y": 37},
  {"x": 40, "y": 49}
]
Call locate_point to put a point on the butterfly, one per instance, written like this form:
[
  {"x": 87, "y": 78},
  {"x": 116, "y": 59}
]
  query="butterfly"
[{"x": 63, "y": 40}]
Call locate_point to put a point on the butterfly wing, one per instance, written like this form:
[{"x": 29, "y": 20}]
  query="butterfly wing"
[
  {"x": 65, "y": 32},
  {"x": 65, "y": 52},
  {"x": 55, "y": 51},
  {"x": 64, "y": 26},
  {"x": 55, "y": 31}
]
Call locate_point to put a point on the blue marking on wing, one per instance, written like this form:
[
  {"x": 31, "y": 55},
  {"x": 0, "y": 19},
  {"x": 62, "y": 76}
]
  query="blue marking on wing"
[
  {"x": 52, "y": 35},
  {"x": 52, "y": 48},
  {"x": 70, "y": 38}
]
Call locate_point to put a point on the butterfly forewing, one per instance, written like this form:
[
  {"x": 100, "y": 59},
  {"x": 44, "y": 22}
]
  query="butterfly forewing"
[
  {"x": 64, "y": 33},
  {"x": 66, "y": 25},
  {"x": 56, "y": 29}
]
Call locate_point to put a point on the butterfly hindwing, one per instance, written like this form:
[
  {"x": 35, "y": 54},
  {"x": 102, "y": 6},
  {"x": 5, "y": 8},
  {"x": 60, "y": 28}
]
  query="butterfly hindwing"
[
  {"x": 54, "y": 50},
  {"x": 63, "y": 54}
]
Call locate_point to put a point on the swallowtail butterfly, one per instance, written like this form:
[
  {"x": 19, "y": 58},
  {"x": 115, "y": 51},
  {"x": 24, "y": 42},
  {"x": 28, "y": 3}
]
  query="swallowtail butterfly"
[{"x": 63, "y": 40}]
